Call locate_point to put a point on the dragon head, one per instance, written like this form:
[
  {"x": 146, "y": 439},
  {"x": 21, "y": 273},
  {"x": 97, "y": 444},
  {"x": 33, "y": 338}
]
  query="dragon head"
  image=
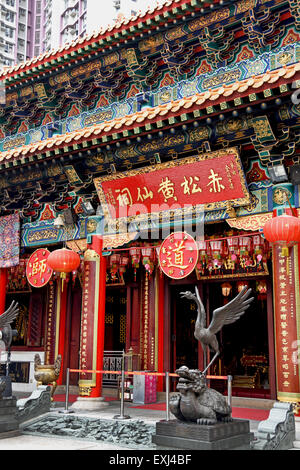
[{"x": 190, "y": 379}]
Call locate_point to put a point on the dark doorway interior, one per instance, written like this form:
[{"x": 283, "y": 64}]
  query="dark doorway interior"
[
  {"x": 115, "y": 319},
  {"x": 244, "y": 344},
  {"x": 183, "y": 318}
]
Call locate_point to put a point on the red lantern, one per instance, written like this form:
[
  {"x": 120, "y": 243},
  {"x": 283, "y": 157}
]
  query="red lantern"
[
  {"x": 63, "y": 261},
  {"x": 216, "y": 248},
  {"x": 245, "y": 246},
  {"x": 258, "y": 244},
  {"x": 217, "y": 251},
  {"x": 261, "y": 287},
  {"x": 135, "y": 255},
  {"x": 226, "y": 289},
  {"x": 148, "y": 256},
  {"x": 241, "y": 285},
  {"x": 124, "y": 259},
  {"x": 233, "y": 244},
  {"x": 284, "y": 231},
  {"x": 203, "y": 250},
  {"x": 203, "y": 247},
  {"x": 114, "y": 265}
]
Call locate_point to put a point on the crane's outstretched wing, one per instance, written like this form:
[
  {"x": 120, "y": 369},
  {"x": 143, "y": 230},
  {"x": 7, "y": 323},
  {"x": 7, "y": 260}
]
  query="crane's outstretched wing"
[
  {"x": 9, "y": 315},
  {"x": 230, "y": 312}
]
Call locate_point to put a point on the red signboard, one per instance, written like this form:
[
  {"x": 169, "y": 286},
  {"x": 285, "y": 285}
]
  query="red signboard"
[
  {"x": 210, "y": 179},
  {"x": 178, "y": 255},
  {"x": 286, "y": 300},
  {"x": 38, "y": 272}
]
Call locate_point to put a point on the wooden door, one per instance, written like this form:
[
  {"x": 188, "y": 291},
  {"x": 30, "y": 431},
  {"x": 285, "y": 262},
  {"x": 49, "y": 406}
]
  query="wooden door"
[{"x": 72, "y": 333}]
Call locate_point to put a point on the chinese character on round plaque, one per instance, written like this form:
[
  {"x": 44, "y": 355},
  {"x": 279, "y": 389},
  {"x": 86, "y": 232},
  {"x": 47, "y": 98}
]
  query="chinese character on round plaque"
[
  {"x": 38, "y": 272},
  {"x": 178, "y": 255}
]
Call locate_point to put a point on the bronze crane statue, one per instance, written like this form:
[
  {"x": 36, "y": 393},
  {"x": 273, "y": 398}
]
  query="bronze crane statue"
[{"x": 224, "y": 315}]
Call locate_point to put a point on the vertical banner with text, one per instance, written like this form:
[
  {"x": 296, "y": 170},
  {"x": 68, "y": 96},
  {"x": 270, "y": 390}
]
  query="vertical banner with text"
[
  {"x": 89, "y": 322},
  {"x": 286, "y": 322}
]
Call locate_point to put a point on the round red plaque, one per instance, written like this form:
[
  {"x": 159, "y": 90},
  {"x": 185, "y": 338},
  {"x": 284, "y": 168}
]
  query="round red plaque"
[
  {"x": 38, "y": 272},
  {"x": 178, "y": 255}
]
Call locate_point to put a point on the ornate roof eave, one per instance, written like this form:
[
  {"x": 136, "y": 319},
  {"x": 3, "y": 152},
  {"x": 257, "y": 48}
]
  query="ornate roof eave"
[
  {"x": 112, "y": 36},
  {"x": 149, "y": 118}
]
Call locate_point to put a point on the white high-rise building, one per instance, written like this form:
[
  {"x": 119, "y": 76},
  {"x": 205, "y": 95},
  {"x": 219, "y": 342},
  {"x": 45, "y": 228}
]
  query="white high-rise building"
[
  {"x": 31, "y": 27},
  {"x": 66, "y": 20},
  {"x": 101, "y": 13},
  {"x": 15, "y": 31}
]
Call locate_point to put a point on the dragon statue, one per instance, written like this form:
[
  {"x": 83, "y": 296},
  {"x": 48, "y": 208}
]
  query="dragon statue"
[{"x": 196, "y": 402}]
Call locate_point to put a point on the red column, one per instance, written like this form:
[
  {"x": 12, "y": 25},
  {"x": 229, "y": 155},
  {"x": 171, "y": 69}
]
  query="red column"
[
  {"x": 161, "y": 308},
  {"x": 3, "y": 284},
  {"x": 92, "y": 326},
  {"x": 97, "y": 245},
  {"x": 62, "y": 326}
]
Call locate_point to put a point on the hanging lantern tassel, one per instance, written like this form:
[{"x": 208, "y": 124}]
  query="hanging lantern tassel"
[
  {"x": 285, "y": 252},
  {"x": 63, "y": 277}
]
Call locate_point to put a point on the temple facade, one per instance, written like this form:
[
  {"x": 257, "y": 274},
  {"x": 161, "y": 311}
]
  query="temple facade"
[{"x": 182, "y": 119}]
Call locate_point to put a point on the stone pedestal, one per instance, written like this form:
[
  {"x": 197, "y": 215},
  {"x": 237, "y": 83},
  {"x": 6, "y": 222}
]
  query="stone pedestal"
[
  {"x": 8, "y": 417},
  {"x": 89, "y": 403},
  {"x": 220, "y": 436},
  {"x": 8, "y": 389}
]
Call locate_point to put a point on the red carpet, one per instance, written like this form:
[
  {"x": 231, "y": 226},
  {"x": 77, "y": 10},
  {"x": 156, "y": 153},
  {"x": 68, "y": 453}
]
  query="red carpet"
[
  {"x": 250, "y": 413},
  {"x": 237, "y": 412}
]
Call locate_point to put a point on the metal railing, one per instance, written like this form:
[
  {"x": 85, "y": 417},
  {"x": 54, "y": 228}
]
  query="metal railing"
[
  {"x": 122, "y": 372},
  {"x": 112, "y": 360}
]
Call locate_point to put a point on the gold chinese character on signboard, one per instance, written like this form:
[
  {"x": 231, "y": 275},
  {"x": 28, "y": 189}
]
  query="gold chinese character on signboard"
[
  {"x": 39, "y": 267},
  {"x": 178, "y": 255},
  {"x": 189, "y": 185},
  {"x": 145, "y": 195},
  {"x": 216, "y": 185},
  {"x": 167, "y": 188},
  {"x": 124, "y": 198}
]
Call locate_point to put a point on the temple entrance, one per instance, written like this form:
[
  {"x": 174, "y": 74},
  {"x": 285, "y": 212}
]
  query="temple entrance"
[
  {"x": 244, "y": 345},
  {"x": 115, "y": 319}
]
